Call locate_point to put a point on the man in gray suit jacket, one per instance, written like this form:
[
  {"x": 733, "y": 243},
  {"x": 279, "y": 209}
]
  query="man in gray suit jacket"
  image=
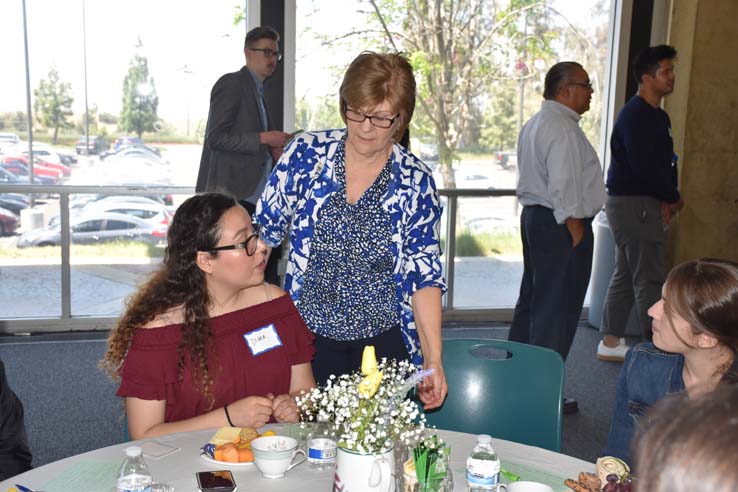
[{"x": 241, "y": 144}]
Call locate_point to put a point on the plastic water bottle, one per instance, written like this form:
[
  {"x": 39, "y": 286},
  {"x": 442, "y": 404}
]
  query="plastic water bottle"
[
  {"x": 482, "y": 466},
  {"x": 133, "y": 474},
  {"x": 321, "y": 447}
]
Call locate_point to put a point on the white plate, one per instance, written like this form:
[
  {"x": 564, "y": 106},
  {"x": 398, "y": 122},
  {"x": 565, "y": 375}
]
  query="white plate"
[{"x": 225, "y": 463}]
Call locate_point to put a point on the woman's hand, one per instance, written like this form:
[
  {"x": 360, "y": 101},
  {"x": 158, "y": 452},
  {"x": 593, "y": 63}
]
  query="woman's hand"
[
  {"x": 433, "y": 389},
  {"x": 427, "y": 310},
  {"x": 284, "y": 409},
  {"x": 253, "y": 411}
]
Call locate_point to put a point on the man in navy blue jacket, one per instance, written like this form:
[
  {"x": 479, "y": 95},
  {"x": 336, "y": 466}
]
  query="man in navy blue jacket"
[{"x": 642, "y": 199}]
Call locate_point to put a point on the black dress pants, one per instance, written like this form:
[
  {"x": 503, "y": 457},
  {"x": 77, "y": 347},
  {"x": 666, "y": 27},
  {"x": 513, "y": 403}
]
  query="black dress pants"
[
  {"x": 555, "y": 280},
  {"x": 344, "y": 357}
]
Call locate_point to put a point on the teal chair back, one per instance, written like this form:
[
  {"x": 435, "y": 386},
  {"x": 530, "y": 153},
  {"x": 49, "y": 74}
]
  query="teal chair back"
[
  {"x": 126, "y": 434},
  {"x": 516, "y": 398}
]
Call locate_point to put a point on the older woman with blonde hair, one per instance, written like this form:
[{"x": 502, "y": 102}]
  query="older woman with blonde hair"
[{"x": 363, "y": 215}]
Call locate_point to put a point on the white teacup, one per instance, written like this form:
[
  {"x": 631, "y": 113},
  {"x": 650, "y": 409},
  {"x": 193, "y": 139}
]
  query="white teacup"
[
  {"x": 275, "y": 455},
  {"x": 524, "y": 487}
]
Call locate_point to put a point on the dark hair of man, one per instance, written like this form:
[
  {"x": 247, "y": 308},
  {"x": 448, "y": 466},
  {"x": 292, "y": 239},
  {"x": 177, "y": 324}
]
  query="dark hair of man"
[
  {"x": 686, "y": 444},
  {"x": 557, "y": 76},
  {"x": 261, "y": 32},
  {"x": 647, "y": 61}
]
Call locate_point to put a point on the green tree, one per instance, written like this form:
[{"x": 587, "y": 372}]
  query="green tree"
[
  {"x": 500, "y": 119},
  {"x": 321, "y": 114},
  {"x": 140, "y": 102},
  {"x": 457, "y": 49},
  {"x": 108, "y": 118},
  {"x": 52, "y": 103},
  {"x": 92, "y": 113}
]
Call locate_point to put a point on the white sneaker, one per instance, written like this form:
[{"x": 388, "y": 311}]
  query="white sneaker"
[{"x": 612, "y": 354}]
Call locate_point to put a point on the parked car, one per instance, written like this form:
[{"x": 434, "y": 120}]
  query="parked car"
[
  {"x": 96, "y": 228},
  {"x": 77, "y": 202},
  {"x": 96, "y": 145},
  {"x": 125, "y": 141},
  {"x": 8, "y": 141},
  {"x": 136, "y": 152},
  {"x": 503, "y": 158},
  {"x": 148, "y": 210},
  {"x": 9, "y": 138},
  {"x": 9, "y": 222},
  {"x": 6, "y": 177},
  {"x": 67, "y": 158},
  {"x": 49, "y": 155},
  {"x": 15, "y": 202},
  {"x": 41, "y": 159},
  {"x": 18, "y": 165}
]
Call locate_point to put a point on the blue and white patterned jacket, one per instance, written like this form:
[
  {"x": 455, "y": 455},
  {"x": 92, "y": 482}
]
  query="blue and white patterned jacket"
[{"x": 302, "y": 181}]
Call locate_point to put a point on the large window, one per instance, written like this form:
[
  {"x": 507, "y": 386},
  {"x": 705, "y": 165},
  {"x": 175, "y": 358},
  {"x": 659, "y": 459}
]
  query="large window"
[
  {"x": 120, "y": 93},
  {"x": 119, "y": 100},
  {"x": 480, "y": 77}
]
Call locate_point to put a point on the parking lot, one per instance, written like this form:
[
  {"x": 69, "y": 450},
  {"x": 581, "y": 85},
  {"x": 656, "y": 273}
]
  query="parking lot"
[{"x": 32, "y": 287}]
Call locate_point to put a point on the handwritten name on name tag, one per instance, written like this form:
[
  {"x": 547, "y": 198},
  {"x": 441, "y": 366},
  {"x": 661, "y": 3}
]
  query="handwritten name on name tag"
[{"x": 262, "y": 339}]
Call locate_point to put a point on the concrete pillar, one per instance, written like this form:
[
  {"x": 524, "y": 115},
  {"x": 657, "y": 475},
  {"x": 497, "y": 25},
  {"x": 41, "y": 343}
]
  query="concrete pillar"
[{"x": 704, "y": 115}]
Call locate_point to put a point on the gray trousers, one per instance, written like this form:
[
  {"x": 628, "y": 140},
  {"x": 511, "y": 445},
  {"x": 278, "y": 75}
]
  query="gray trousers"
[{"x": 639, "y": 234}]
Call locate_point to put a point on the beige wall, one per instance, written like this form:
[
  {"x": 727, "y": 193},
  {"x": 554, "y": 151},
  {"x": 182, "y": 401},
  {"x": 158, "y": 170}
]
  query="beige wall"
[{"x": 704, "y": 114}]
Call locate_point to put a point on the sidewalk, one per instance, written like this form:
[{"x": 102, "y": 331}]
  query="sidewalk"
[{"x": 100, "y": 289}]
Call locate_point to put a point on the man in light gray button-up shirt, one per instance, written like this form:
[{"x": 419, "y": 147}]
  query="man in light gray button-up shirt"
[{"x": 561, "y": 187}]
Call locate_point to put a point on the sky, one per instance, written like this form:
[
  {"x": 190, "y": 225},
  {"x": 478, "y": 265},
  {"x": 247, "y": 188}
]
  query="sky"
[{"x": 188, "y": 43}]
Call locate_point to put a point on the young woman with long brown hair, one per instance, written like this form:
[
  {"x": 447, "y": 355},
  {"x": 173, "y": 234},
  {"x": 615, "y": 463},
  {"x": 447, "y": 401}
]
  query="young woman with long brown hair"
[
  {"x": 695, "y": 342},
  {"x": 206, "y": 343}
]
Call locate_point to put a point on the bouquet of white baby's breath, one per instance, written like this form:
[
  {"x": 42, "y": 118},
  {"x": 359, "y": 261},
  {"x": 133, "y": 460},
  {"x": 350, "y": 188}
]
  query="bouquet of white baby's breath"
[{"x": 369, "y": 410}]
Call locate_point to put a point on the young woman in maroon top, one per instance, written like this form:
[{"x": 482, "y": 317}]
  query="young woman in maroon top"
[{"x": 206, "y": 343}]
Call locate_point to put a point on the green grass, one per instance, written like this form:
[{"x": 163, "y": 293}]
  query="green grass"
[
  {"x": 497, "y": 243},
  {"x": 128, "y": 249}
]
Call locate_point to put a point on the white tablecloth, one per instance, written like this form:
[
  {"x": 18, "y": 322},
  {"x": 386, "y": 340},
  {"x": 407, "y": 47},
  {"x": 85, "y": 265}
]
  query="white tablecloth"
[{"x": 179, "y": 469}]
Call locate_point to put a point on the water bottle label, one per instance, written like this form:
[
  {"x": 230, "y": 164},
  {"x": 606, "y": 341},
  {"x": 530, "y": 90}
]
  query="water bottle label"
[
  {"x": 147, "y": 488},
  {"x": 482, "y": 472},
  {"x": 321, "y": 449},
  {"x": 134, "y": 483}
]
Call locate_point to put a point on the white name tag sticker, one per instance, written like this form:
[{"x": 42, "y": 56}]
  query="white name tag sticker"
[{"x": 262, "y": 339}]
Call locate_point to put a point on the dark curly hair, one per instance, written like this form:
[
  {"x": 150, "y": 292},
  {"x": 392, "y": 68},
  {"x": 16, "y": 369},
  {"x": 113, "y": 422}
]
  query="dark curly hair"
[{"x": 179, "y": 282}]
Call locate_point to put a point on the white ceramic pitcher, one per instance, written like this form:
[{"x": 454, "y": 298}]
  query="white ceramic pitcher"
[{"x": 356, "y": 472}]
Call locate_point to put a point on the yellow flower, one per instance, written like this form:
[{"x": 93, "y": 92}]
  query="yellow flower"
[
  {"x": 370, "y": 384},
  {"x": 368, "y": 361}
]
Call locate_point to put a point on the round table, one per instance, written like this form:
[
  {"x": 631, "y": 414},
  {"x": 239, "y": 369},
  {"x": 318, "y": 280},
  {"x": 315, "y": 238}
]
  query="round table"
[{"x": 178, "y": 469}]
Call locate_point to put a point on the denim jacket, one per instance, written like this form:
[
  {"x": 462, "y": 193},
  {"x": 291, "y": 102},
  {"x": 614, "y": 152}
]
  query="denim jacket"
[{"x": 648, "y": 375}]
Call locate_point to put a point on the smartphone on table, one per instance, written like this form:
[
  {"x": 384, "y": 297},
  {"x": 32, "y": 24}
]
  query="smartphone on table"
[{"x": 216, "y": 481}]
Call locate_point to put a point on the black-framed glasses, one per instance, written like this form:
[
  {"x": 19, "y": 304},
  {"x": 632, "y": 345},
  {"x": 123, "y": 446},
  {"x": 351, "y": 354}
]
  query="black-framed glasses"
[
  {"x": 378, "y": 121},
  {"x": 249, "y": 245},
  {"x": 268, "y": 53},
  {"x": 586, "y": 85}
]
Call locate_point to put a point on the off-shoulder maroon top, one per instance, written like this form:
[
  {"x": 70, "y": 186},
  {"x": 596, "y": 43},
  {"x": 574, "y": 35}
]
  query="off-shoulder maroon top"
[{"x": 150, "y": 370}]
